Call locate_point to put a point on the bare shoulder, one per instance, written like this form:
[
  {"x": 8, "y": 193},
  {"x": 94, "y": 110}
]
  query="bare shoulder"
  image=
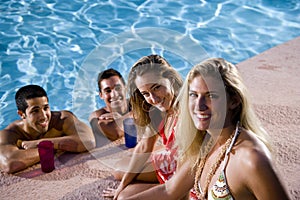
[
  {"x": 62, "y": 115},
  {"x": 12, "y": 132},
  {"x": 252, "y": 152},
  {"x": 60, "y": 119},
  {"x": 252, "y": 170}
]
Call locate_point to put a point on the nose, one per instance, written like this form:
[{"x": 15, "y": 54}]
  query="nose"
[
  {"x": 154, "y": 99},
  {"x": 113, "y": 93},
  {"x": 44, "y": 114},
  {"x": 201, "y": 103}
]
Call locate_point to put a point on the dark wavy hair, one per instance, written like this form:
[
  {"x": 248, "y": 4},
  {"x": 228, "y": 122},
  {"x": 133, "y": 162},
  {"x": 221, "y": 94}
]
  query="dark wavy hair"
[
  {"x": 105, "y": 74},
  {"x": 28, "y": 92}
]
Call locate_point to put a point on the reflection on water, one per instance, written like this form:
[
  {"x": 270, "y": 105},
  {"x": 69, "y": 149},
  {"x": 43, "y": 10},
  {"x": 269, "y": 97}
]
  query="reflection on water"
[{"x": 51, "y": 42}]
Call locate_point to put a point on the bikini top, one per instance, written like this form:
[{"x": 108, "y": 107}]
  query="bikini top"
[
  {"x": 220, "y": 190},
  {"x": 168, "y": 142}
]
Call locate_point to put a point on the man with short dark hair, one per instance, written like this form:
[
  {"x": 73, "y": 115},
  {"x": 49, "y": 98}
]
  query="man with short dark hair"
[
  {"x": 19, "y": 140},
  {"x": 106, "y": 122}
]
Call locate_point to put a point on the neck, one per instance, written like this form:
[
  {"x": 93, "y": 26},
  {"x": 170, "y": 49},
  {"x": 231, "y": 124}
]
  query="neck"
[
  {"x": 30, "y": 133},
  {"x": 121, "y": 110},
  {"x": 221, "y": 135}
]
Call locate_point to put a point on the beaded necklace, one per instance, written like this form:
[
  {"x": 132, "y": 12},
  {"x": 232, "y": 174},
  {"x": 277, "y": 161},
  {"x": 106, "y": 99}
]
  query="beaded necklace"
[{"x": 212, "y": 169}]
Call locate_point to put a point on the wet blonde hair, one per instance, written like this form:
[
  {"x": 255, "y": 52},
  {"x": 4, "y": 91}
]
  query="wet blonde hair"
[
  {"x": 158, "y": 65},
  {"x": 188, "y": 138}
]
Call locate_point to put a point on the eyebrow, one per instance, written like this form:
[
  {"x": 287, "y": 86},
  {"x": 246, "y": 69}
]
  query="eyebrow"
[
  {"x": 154, "y": 85},
  {"x": 207, "y": 92},
  {"x": 35, "y": 107},
  {"x": 107, "y": 88}
]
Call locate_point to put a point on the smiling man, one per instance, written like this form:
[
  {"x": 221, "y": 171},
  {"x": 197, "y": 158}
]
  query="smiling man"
[
  {"x": 19, "y": 140},
  {"x": 107, "y": 121}
]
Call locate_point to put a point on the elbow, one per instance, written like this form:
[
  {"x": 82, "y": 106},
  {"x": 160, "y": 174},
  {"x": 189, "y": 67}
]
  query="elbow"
[
  {"x": 76, "y": 144},
  {"x": 87, "y": 145},
  {"x": 91, "y": 144},
  {"x": 12, "y": 166}
]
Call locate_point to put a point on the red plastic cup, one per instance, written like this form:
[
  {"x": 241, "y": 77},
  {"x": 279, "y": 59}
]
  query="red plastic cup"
[{"x": 46, "y": 153}]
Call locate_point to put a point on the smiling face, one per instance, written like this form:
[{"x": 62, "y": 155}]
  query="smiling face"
[
  {"x": 113, "y": 94},
  {"x": 37, "y": 115},
  {"x": 208, "y": 105},
  {"x": 156, "y": 90}
]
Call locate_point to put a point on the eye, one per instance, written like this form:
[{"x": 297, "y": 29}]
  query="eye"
[
  {"x": 118, "y": 88},
  {"x": 46, "y": 108},
  {"x": 34, "y": 111},
  {"x": 193, "y": 94},
  {"x": 156, "y": 87},
  {"x": 107, "y": 91},
  {"x": 146, "y": 94},
  {"x": 213, "y": 96}
]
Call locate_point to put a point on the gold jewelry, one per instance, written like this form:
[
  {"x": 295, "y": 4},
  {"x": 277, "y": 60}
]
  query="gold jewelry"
[{"x": 212, "y": 169}]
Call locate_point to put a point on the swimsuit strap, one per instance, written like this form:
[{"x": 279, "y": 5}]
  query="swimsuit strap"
[{"x": 236, "y": 134}]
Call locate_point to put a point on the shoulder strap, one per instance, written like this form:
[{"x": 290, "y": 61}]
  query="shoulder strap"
[{"x": 236, "y": 134}]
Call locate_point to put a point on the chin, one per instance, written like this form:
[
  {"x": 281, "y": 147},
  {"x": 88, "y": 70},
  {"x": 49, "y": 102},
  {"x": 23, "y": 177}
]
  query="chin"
[
  {"x": 162, "y": 109},
  {"x": 202, "y": 126},
  {"x": 116, "y": 104}
]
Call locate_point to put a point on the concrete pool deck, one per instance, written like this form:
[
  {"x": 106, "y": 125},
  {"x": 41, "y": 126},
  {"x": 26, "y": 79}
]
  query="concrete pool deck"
[{"x": 272, "y": 78}]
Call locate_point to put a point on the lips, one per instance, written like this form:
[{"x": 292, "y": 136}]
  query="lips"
[
  {"x": 119, "y": 99},
  {"x": 43, "y": 124}
]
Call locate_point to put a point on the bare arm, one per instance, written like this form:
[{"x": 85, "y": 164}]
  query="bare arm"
[
  {"x": 175, "y": 188},
  {"x": 75, "y": 135},
  {"x": 13, "y": 159},
  {"x": 141, "y": 154},
  {"x": 108, "y": 124},
  {"x": 263, "y": 182},
  {"x": 16, "y": 154},
  {"x": 79, "y": 136}
]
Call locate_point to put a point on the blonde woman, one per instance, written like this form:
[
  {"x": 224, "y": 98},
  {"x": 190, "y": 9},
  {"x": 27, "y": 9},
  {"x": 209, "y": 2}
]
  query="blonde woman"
[
  {"x": 224, "y": 150},
  {"x": 153, "y": 87}
]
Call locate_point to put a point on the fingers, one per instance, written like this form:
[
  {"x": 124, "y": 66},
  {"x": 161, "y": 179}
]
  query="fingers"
[
  {"x": 109, "y": 192},
  {"x": 110, "y": 116},
  {"x": 29, "y": 144},
  {"x": 106, "y": 116}
]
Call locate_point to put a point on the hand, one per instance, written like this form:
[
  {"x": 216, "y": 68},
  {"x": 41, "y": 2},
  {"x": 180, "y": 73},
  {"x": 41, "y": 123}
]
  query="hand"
[
  {"x": 110, "y": 116},
  {"x": 109, "y": 192},
  {"x": 107, "y": 116},
  {"x": 29, "y": 144},
  {"x": 113, "y": 193}
]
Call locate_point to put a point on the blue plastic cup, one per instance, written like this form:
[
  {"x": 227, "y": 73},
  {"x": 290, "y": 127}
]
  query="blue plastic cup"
[{"x": 130, "y": 132}]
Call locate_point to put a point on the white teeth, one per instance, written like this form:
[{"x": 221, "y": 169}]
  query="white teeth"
[
  {"x": 118, "y": 99},
  {"x": 203, "y": 116}
]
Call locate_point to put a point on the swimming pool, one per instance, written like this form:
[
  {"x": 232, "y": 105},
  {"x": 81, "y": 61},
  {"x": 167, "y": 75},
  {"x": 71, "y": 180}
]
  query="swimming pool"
[{"x": 62, "y": 46}]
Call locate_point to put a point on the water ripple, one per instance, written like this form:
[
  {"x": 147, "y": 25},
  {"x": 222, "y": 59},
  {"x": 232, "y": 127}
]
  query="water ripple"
[{"x": 46, "y": 42}]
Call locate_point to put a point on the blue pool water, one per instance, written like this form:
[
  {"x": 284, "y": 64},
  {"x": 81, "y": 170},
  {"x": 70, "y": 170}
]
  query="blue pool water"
[{"x": 62, "y": 45}]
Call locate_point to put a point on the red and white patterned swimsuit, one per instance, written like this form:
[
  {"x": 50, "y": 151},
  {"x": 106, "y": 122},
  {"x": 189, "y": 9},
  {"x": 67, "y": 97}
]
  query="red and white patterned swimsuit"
[{"x": 165, "y": 161}]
